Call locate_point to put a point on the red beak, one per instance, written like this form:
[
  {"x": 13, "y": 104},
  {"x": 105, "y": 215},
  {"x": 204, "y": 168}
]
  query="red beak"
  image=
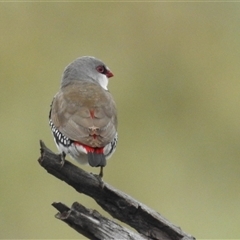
[{"x": 109, "y": 74}]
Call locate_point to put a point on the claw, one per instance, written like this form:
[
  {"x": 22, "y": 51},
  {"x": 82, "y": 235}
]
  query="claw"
[
  {"x": 62, "y": 156},
  {"x": 99, "y": 177}
]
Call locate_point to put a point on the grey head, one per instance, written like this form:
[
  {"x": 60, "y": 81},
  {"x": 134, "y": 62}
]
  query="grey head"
[{"x": 86, "y": 68}]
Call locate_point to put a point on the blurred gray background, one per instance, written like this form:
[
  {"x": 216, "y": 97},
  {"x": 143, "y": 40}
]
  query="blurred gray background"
[{"x": 176, "y": 85}]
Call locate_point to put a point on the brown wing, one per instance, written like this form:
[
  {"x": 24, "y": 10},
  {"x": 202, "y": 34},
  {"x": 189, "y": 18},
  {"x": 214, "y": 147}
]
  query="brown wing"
[{"x": 86, "y": 113}]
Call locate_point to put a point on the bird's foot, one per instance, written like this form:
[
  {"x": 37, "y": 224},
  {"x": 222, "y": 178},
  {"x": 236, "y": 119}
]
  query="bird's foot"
[
  {"x": 99, "y": 177},
  {"x": 62, "y": 159},
  {"x": 99, "y": 180}
]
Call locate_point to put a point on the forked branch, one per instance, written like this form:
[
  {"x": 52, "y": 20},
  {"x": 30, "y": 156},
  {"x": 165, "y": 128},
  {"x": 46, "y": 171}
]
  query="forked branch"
[{"x": 149, "y": 223}]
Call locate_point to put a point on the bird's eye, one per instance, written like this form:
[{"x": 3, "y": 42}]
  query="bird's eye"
[{"x": 101, "y": 69}]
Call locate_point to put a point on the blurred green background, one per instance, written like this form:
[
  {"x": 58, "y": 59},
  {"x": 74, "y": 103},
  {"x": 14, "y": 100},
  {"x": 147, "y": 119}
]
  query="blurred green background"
[{"x": 176, "y": 85}]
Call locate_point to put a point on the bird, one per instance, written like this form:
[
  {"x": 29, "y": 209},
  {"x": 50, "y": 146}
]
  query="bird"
[{"x": 83, "y": 114}]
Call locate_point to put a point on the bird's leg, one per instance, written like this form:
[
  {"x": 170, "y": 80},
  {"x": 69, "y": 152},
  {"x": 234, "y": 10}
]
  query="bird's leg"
[
  {"x": 101, "y": 172},
  {"x": 100, "y": 176},
  {"x": 62, "y": 156}
]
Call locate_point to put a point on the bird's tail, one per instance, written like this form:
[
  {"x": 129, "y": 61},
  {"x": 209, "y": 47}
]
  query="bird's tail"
[{"x": 96, "y": 159}]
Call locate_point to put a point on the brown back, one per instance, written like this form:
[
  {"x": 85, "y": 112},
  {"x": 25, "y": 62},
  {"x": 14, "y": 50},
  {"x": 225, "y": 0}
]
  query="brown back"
[{"x": 86, "y": 113}]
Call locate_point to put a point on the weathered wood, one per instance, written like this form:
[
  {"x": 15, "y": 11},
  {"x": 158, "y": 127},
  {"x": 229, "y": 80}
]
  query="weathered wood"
[
  {"x": 118, "y": 204},
  {"x": 92, "y": 224}
]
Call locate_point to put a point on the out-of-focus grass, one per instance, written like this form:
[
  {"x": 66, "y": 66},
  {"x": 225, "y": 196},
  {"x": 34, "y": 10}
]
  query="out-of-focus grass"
[{"x": 176, "y": 85}]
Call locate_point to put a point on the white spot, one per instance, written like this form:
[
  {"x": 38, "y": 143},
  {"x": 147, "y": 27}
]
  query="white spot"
[
  {"x": 103, "y": 81},
  {"x": 81, "y": 149}
]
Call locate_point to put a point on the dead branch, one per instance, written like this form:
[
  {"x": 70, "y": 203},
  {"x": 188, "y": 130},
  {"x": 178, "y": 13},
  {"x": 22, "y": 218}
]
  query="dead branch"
[
  {"x": 149, "y": 223},
  {"x": 92, "y": 224}
]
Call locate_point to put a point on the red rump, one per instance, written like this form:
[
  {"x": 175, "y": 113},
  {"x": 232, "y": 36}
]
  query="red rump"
[{"x": 90, "y": 149}]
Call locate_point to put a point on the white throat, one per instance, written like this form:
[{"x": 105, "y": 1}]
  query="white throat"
[{"x": 103, "y": 81}]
